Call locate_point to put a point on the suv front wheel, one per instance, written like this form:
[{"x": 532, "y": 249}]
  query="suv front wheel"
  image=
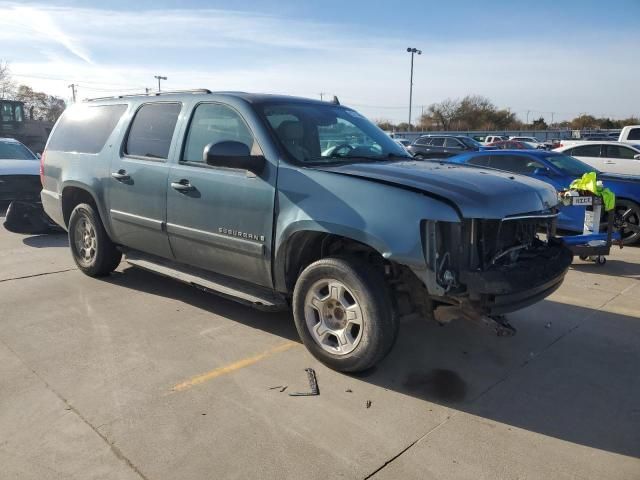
[
  {"x": 92, "y": 249},
  {"x": 343, "y": 313}
]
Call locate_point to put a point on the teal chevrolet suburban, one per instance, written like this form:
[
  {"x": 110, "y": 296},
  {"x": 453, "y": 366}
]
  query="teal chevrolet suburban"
[{"x": 283, "y": 202}]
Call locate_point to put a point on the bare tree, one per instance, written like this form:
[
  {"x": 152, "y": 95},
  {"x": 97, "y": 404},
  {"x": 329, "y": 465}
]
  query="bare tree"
[{"x": 6, "y": 85}]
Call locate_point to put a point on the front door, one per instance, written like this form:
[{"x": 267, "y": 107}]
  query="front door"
[
  {"x": 222, "y": 221},
  {"x": 138, "y": 181},
  {"x": 621, "y": 159}
]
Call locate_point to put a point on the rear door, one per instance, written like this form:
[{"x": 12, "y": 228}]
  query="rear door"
[
  {"x": 621, "y": 159},
  {"x": 138, "y": 181},
  {"x": 223, "y": 221},
  {"x": 589, "y": 154}
]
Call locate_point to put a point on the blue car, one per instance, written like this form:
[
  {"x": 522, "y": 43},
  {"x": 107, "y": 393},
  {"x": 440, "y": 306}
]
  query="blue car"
[{"x": 560, "y": 170}]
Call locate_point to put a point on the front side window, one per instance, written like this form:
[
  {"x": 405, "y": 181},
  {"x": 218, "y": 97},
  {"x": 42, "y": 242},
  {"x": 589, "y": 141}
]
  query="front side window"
[
  {"x": 437, "y": 142},
  {"x": 84, "y": 128},
  {"x": 318, "y": 133},
  {"x": 451, "y": 143},
  {"x": 152, "y": 130},
  {"x": 569, "y": 165},
  {"x": 586, "y": 151},
  {"x": 617, "y": 151},
  {"x": 214, "y": 123}
]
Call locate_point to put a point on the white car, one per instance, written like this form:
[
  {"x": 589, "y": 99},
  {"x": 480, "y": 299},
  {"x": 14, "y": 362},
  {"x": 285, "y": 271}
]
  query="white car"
[
  {"x": 610, "y": 157},
  {"x": 630, "y": 134},
  {"x": 19, "y": 172},
  {"x": 530, "y": 140},
  {"x": 494, "y": 138}
]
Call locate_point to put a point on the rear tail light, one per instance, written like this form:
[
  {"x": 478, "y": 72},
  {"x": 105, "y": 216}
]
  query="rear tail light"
[{"x": 42, "y": 168}]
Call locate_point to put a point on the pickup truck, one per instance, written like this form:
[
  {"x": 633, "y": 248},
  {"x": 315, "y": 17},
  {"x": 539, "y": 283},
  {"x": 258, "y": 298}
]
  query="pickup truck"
[
  {"x": 238, "y": 194},
  {"x": 630, "y": 134}
]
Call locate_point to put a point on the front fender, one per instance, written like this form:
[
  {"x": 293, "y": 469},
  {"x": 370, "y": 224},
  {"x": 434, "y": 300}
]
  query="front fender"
[{"x": 384, "y": 217}]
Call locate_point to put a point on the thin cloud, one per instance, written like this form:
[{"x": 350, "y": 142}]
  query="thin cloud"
[{"x": 38, "y": 23}]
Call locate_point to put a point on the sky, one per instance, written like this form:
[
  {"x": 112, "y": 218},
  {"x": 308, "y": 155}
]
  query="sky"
[{"x": 544, "y": 57}]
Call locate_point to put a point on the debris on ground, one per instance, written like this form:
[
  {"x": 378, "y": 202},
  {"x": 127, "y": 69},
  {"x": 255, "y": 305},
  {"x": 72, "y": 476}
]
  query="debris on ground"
[
  {"x": 313, "y": 385},
  {"x": 348, "y": 390},
  {"x": 277, "y": 386},
  {"x": 368, "y": 404},
  {"x": 283, "y": 388}
]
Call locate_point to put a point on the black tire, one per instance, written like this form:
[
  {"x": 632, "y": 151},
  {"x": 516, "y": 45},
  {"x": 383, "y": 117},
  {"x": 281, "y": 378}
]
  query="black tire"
[
  {"x": 105, "y": 257},
  {"x": 622, "y": 205},
  {"x": 368, "y": 289},
  {"x": 418, "y": 156}
]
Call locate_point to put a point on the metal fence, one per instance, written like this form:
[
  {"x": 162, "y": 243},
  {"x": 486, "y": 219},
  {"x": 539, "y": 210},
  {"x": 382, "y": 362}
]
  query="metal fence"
[{"x": 541, "y": 135}]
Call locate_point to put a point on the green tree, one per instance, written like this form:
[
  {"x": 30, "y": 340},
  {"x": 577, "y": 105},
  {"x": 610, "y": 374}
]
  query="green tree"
[{"x": 539, "y": 124}]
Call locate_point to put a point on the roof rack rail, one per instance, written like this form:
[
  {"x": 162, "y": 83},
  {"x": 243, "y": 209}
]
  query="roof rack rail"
[{"x": 149, "y": 94}]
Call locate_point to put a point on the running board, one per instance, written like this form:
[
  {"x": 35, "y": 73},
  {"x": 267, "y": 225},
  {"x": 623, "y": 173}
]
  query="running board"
[{"x": 237, "y": 290}]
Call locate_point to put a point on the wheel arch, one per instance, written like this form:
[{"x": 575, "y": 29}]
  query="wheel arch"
[{"x": 73, "y": 194}]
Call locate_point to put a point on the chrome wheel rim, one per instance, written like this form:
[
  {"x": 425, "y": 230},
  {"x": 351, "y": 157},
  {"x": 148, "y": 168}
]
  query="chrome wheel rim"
[
  {"x": 333, "y": 316},
  {"x": 86, "y": 241}
]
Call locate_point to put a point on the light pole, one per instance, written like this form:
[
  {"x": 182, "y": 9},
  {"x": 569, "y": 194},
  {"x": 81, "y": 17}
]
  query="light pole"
[
  {"x": 412, "y": 51},
  {"x": 159, "y": 77}
]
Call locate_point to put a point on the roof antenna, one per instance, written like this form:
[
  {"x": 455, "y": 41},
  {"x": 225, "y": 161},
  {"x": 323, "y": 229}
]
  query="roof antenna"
[{"x": 335, "y": 100}]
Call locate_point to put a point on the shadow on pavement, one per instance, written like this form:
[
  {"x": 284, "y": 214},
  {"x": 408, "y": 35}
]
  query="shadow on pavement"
[
  {"x": 570, "y": 373},
  {"x": 46, "y": 241},
  {"x": 613, "y": 268}
]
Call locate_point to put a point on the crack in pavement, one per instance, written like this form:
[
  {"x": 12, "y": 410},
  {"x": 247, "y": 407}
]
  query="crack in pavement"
[
  {"x": 517, "y": 368},
  {"x": 37, "y": 275},
  {"x": 114, "y": 449}
]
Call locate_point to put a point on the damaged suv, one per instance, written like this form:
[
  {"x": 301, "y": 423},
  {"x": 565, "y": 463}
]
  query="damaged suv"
[{"x": 283, "y": 202}]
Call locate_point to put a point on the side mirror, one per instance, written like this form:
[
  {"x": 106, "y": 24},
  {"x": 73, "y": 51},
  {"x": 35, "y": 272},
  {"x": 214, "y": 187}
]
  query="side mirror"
[
  {"x": 637, "y": 157},
  {"x": 230, "y": 154}
]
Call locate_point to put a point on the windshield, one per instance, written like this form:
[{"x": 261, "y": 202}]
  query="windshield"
[
  {"x": 469, "y": 142},
  {"x": 570, "y": 165},
  {"x": 15, "y": 151},
  {"x": 313, "y": 133}
]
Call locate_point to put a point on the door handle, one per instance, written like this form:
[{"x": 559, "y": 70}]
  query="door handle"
[
  {"x": 121, "y": 175},
  {"x": 182, "y": 186}
]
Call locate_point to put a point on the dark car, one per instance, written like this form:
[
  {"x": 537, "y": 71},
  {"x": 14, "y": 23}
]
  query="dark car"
[
  {"x": 560, "y": 169},
  {"x": 443, "y": 146}
]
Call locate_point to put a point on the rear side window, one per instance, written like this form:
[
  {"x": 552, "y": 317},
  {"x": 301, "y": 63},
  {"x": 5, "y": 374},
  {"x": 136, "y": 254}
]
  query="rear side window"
[
  {"x": 85, "y": 128},
  {"x": 422, "y": 141},
  {"x": 152, "y": 130},
  {"x": 515, "y": 163},
  {"x": 481, "y": 161},
  {"x": 437, "y": 142},
  {"x": 586, "y": 151},
  {"x": 634, "y": 134}
]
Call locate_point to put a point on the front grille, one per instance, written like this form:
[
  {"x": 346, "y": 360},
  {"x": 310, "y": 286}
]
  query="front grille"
[{"x": 15, "y": 187}]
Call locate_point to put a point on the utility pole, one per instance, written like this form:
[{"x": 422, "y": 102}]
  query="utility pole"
[
  {"x": 146, "y": 90},
  {"x": 412, "y": 51},
  {"x": 528, "y": 111},
  {"x": 73, "y": 91},
  {"x": 159, "y": 77},
  {"x": 322, "y": 94},
  {"x": 552, "y": 114}
]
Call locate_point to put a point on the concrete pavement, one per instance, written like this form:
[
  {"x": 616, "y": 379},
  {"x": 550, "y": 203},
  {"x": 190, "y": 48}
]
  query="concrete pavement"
[{"x": 89, "y": 369}]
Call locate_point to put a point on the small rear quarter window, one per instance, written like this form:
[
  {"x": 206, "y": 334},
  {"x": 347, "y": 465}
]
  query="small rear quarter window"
[{"x": 85, "y": 128}]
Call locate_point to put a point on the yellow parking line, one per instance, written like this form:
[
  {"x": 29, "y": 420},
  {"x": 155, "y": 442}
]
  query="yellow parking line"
[{"x": 232, "y": 367}]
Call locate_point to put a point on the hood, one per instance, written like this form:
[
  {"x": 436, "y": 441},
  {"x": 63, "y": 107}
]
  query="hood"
[
  {"x": 19, "y": 167},
  {"x": 477, "y": 192},
  {"x": 623, "y": 177}
]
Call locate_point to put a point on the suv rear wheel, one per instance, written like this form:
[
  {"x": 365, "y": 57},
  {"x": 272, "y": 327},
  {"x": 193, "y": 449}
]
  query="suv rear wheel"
[
  {"x": 92, "y": 249},
  {"x": 343, "y": 313}
]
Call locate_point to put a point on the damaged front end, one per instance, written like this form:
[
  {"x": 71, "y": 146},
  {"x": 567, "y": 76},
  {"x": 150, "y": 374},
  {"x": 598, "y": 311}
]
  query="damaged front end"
[{"x": 480, "y": 269}]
